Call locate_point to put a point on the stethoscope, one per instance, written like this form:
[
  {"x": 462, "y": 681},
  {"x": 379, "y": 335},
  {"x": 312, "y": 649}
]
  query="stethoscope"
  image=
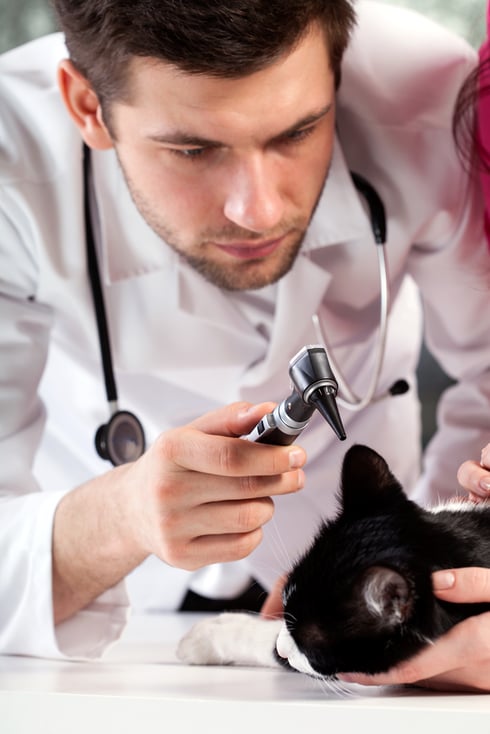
[
  {"x": 122, "y": 438},
  {"x": 348, "y": 398}
]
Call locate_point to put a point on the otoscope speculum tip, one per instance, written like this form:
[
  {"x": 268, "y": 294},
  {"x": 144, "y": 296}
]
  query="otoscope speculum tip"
[{"x": 324, "y": 401}]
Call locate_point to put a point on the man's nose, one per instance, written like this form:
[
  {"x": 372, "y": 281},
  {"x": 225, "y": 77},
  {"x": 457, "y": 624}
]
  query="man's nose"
[{"x": 254, "y": 199}]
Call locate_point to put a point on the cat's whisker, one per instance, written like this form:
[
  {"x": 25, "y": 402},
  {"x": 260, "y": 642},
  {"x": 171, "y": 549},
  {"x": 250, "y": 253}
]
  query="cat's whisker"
[
  {"x": 334, "y": 686},
  {"x": 278, "y": 546},
  {"x": 342, "y": 689},
  {"x": 289, "y": 617}
]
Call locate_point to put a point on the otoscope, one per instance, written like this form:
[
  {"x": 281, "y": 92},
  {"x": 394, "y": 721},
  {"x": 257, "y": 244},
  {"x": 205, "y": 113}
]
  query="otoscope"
[{"x": 314, "y": 387}]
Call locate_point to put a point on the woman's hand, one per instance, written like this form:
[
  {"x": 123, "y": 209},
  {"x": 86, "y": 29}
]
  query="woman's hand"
[
  {"x": 475, "y": 476},
  {"x": 460, "y": 659},
  {"x": 273, "y": 606}
]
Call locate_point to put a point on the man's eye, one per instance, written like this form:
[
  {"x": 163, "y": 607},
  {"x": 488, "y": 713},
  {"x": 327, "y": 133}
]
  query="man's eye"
[
  {"x": 297, "y": 136},
  {"x": 189, "y": 152}
]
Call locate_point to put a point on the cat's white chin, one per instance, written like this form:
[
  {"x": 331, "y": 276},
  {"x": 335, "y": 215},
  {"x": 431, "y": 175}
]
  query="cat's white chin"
[{"x": 287, "y": 649}]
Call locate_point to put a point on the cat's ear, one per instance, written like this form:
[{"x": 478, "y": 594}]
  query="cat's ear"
[
  {"x": 387, "y": 596},
  {"x": 367, "y": 482}
]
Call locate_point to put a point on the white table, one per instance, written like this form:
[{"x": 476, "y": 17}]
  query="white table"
[{"x": 140, "y": 688}]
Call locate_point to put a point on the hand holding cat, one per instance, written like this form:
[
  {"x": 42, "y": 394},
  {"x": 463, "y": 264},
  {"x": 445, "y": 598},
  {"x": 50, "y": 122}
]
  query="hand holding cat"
[
  {"x": 460, "y": 659},
  {"x": 475, "y": 476}
]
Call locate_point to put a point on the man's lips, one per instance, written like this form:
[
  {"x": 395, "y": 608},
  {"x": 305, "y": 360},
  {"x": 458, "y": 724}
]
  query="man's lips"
[{"x": 250, "y": 250}]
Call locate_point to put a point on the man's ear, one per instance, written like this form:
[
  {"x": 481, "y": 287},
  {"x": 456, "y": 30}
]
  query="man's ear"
[{"x": 83, "y": 106}]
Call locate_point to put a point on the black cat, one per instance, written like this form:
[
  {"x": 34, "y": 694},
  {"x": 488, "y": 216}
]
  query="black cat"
[{"x": 360, "y": 599}]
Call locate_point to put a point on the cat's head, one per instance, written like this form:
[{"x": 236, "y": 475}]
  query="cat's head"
[{"x": 360, "y": 600}]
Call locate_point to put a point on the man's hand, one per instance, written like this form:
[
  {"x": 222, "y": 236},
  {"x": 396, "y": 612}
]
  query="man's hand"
[
  {"x": 202, "y": 496},
  {"x": 460, "y": 659},
  {"x": 199, "y": 495}
]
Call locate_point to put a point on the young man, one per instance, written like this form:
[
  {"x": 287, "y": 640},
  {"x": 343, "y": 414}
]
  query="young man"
[{"x": 222, "y": 205}]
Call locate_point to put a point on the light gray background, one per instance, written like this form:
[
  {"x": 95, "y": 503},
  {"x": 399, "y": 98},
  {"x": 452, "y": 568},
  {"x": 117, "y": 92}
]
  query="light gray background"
[{"x": 22, "y": 20}]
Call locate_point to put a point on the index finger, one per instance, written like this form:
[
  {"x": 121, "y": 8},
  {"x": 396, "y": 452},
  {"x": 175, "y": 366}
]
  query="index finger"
[
  {"x": 236, "y": 419},
  {"x": 190, "y": 450}
]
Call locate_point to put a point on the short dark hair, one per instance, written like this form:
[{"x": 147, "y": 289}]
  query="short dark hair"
[{"x": 222, "y": 38}]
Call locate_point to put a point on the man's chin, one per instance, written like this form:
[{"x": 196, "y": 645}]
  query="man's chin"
[
  {"x": 248, "y": 276},
  {"x": 245, "y": 275}
]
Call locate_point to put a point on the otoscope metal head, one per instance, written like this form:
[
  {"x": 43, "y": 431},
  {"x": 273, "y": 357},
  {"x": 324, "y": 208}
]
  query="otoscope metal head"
[
  {"x": 314, "y": 387},
  {"x": 313, "y": 379}
]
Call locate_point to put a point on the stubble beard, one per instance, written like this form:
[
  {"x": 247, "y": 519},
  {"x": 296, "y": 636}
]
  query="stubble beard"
[{"x": 235, "y": 276}]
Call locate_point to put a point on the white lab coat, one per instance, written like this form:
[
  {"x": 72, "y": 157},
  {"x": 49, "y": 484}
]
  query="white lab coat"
[{"x": 182, "y": 347}]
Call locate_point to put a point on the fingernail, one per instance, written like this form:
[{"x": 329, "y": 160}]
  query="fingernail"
[
  {"x": 485, "y": 484},
  {"x": 443, "y": 580},
  {"x": 296, "y": 459}
]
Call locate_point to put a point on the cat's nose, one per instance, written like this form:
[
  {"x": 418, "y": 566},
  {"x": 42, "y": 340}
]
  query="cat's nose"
[{"x": 284, "y": 643}]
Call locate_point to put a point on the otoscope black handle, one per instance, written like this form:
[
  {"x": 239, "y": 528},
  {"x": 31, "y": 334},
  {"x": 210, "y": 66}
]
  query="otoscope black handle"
[
  {"x": 282, "y": 426},
  {"x": 275, "y": 437}
]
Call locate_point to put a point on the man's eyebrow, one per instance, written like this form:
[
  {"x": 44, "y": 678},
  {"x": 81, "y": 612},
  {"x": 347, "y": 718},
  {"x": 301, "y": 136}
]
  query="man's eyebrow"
[
  {"x": 180, "y": 138},
  {"x": 305, "y": 121},
  {"x": 194, "y": 141}
]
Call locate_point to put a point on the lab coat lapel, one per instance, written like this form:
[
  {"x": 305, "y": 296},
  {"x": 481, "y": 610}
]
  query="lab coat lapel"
[
  {"x": 128, "y": 246},
  {"x": 339, "y": 217},
  {"x": 298, "y": 296}
]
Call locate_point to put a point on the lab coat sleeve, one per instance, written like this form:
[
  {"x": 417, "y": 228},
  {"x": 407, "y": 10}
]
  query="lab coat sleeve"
[{"x": 26, "y": 512}]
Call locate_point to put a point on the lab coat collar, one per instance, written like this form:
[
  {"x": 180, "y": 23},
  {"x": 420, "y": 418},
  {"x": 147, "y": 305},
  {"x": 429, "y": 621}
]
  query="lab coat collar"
[
  {"x": 129, "y": 248},
  {"x": 340, "y": 216}
]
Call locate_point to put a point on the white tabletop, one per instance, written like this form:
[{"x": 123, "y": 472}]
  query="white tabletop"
[{"x": 140, "y": 688}]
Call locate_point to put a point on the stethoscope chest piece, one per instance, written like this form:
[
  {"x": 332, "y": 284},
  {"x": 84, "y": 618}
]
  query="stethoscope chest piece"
[{"x": 121, "y": 439}]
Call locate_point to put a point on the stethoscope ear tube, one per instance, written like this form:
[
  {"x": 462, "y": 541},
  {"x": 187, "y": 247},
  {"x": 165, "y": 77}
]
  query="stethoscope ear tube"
[
  {"x": 122, "y": 438},
  {"x": 349, "y": 400}
]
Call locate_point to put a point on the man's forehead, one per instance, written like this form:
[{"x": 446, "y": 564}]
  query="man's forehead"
[{"x": 296, "y": 86}]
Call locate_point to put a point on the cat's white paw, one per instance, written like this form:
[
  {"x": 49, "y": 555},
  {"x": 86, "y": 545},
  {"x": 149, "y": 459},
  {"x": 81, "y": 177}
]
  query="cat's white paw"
[
  {"x": 206, "y": 642},
  {"x": 230, "y": 638}
]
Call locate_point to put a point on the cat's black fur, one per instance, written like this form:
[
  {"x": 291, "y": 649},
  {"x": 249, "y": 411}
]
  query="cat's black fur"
[{"x": 382, "y": 547}]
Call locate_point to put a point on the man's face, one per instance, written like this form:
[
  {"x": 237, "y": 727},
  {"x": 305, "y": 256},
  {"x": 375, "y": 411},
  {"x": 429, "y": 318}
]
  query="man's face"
[{"x": 228, "y": 171}]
